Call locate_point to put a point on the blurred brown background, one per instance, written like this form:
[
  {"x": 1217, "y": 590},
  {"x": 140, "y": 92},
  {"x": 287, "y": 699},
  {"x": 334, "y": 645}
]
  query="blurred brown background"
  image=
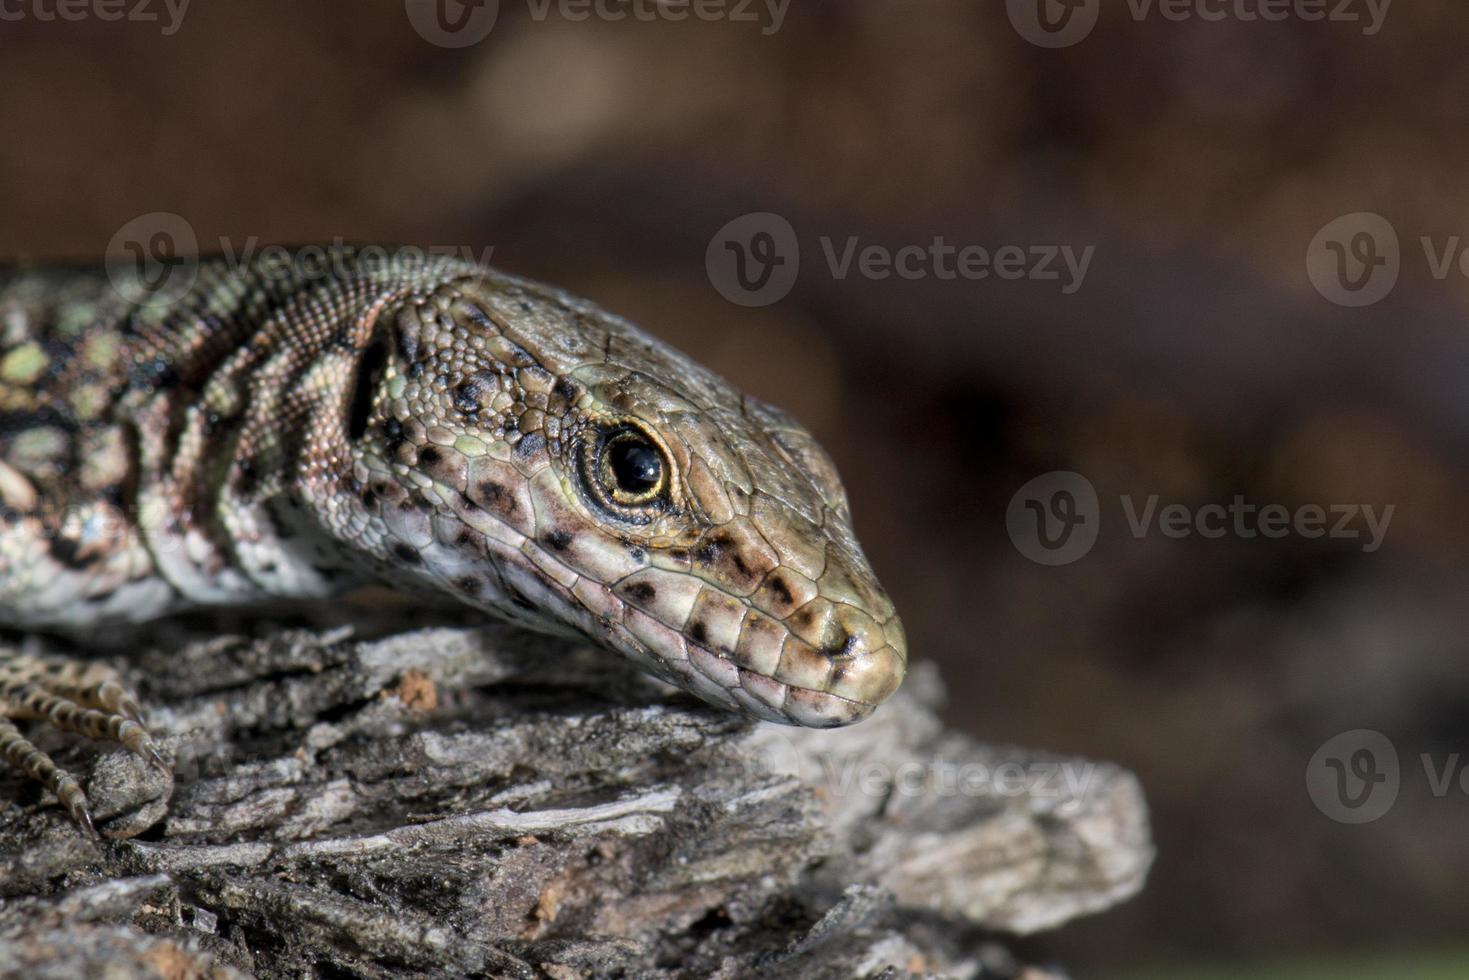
[{"x": 1196, "y": 362}]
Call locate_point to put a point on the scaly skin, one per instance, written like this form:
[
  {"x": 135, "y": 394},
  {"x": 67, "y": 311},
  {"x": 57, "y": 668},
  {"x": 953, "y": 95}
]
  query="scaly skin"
[{"x": 434, "y": 425}]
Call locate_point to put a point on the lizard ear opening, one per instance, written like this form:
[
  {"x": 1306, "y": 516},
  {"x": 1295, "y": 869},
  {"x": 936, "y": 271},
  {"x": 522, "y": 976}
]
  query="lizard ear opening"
[{"x": 364, "y": 385}]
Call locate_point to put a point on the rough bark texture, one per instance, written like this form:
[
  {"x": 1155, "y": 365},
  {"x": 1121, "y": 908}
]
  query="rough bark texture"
[{"x": 451, "y": 801}]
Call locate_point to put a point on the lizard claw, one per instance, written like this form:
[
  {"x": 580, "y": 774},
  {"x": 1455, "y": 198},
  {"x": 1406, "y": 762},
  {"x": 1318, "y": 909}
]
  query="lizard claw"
[
  {"x": 83, "y": 817},
  {"x": 155, "y": 757},
  {"x": 76, "y": 804}
]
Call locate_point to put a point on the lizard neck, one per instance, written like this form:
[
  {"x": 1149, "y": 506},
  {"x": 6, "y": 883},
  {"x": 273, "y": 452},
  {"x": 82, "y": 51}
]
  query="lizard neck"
[{"x": 243, "y": 455}]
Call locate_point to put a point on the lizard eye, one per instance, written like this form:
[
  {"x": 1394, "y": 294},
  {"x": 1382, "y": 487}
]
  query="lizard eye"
[
  {"x": 634, "y": 465},
  {"x": 626, "y": 472}
]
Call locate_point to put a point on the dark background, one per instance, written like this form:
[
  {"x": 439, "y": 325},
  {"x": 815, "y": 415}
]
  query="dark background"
[{"x": 1197, "y": 362}]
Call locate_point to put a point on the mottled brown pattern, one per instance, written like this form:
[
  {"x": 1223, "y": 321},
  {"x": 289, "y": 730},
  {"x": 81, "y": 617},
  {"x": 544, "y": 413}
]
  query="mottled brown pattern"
[{"x": 292, "y": 432}]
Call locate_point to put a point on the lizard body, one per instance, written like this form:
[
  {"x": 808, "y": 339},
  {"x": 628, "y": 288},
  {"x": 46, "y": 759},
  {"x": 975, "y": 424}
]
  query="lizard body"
[{"x": 284, "y": 432}]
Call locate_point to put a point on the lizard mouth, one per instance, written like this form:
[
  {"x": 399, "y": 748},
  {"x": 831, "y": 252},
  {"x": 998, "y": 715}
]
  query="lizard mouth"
[
  {"x": 736, "y": 655},
  {"x": 815, "y": 658}
]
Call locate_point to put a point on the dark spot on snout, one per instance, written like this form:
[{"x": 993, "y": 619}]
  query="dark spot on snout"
[
  {"x": 698, "y": 632},
  {"x": 641, "y": 592},
  {"x": 495, "y": 495},
  {"x": 564, "y": 389},
  {"x": 720, "y": 547},
  {"x": 781, "y": 591},
  {"x": 842, "y": 648},
  {"x": 430, "y": 456},
  {"x": 406, "y": 554},
  {"x": 558, "y": 540}
]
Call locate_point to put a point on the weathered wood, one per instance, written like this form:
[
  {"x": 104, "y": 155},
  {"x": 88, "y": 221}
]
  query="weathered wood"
[{"x": 456, "y": 801}]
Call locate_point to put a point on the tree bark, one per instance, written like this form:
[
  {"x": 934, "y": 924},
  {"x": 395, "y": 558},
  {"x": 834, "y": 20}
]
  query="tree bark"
[{"x": 480, "y": 801}]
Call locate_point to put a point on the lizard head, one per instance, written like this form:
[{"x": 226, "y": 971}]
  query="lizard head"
[{"x": 550, "y": 463}]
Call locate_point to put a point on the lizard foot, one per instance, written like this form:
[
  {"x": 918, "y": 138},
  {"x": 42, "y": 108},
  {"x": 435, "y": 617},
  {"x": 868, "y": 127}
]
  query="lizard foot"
[{"x": 73, "y": 696}]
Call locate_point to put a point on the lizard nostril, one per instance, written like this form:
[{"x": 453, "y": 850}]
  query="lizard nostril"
[
  {"x": 849, "y": 633},
  {"x": 839, "y": 642}
]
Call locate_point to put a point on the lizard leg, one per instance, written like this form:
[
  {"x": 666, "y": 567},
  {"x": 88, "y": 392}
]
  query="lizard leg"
[
  {"x": 72, "y": 696},
  {"x": 69, "y": 715},
  {"x": 17, "y": 750},
  {"x": 87, "y": 684}
]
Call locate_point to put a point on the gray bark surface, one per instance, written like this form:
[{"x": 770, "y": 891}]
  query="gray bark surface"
[{"x": 479, "y": 801}]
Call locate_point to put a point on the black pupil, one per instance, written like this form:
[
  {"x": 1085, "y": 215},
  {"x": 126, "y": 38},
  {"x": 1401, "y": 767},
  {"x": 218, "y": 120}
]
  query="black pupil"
[{"x": 636, "y": 465}]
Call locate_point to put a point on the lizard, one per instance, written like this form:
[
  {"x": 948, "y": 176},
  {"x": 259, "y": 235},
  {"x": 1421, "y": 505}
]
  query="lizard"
[{"x": 292, "y": 431}]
